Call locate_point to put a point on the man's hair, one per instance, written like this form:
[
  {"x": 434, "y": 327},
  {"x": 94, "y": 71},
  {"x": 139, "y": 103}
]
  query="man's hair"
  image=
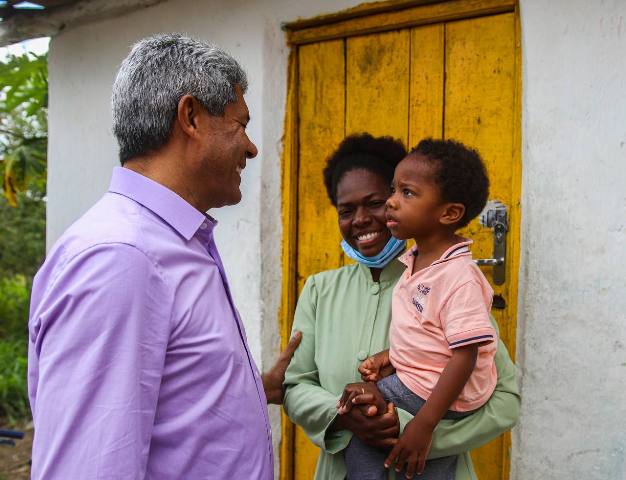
[
  {"x": 379, "y": 155},
  {"x": 460, "y": 174},
  {"x": 156, "y": 74}
]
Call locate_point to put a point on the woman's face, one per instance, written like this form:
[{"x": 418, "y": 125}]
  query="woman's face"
[{"x": 361, "y": 197}]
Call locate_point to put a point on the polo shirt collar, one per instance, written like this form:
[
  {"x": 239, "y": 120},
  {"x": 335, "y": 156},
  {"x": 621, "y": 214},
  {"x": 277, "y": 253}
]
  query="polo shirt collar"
[
  {"x": 457, "y": 250},
  {"x": 172, "y": 208}
]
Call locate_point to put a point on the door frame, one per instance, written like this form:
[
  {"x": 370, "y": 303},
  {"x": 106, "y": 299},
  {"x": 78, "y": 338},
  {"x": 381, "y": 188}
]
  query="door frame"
[{"x": 360, "y": 20}]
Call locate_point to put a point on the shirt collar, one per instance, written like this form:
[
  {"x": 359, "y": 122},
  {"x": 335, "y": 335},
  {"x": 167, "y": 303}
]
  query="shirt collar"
[
  {"x": 456, "y": 250},
  {"x": 173, "y": 209}
]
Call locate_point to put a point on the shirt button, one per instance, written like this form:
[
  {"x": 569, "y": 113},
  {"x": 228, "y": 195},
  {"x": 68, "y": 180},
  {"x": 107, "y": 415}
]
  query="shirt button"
[
  {"x": 203, "y": 226},
  {"x": 362, "y": 355},
  {"x": 375, "y": 288}
]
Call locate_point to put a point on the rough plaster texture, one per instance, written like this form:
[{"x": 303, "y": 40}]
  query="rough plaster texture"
[
  {"x": 82, "y": 150},
  {"x": 572, "y": 322}
]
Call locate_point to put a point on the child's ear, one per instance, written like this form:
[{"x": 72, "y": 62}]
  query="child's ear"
[{"x": 452, "y": 213}]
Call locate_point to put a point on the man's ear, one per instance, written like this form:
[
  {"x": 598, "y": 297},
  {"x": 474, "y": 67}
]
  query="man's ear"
[
  {"x": 452, "y": 213},
  {"x": 188, "y": 115}
]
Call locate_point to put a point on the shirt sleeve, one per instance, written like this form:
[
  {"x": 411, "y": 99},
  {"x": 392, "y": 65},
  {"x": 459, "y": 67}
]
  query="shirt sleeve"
[
  {"x": 306, "y": 402},
  {"x": 465, "y": 317},
  {"x": 497, "y": 416},
  {"x": 98, "y": 336}
]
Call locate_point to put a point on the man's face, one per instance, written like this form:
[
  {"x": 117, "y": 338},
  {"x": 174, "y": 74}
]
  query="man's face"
[{"x": 223, "y": 152}]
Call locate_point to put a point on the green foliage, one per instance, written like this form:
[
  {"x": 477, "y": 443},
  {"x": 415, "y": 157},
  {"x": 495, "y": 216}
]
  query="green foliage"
[
  {"x": 23, "y": 145},
  {"x": 23, "y": 123},
  {"x": 14, "y": 299},
  {"x": 22, "y": 241},
  {"x": 13, "y": 386}
]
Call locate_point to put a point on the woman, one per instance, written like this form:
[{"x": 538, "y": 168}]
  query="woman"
[{"x": 344, "y": 317}]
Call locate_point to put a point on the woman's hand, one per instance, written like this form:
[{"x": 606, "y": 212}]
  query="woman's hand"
[
  {"x": 380, "y": 431},
  {"x": 362, "y": 394},
  {"x": 273, "y": 379}
]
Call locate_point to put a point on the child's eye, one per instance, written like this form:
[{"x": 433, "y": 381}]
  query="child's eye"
[
  {"x": 406, "y": 192},
  {"x": 393, "y": 189}
]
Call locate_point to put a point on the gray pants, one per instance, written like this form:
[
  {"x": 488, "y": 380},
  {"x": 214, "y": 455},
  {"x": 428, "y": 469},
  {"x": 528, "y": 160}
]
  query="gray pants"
[{"x": 365, "y": 462}]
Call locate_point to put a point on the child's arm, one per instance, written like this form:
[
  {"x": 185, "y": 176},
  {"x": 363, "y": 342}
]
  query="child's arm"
[
  {"x": 413, "y": 445},
  {"x": 376, "y": 367}
]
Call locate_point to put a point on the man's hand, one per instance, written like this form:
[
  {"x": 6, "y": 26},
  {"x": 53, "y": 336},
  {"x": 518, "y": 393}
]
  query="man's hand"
[
  {"x": 411, "y": 449},
  {"x": 273, "y": 379},
  {"x": 380, "y": 431},
  {"x": 359, "y": 394},
  {"x": 376, "y": 367}
]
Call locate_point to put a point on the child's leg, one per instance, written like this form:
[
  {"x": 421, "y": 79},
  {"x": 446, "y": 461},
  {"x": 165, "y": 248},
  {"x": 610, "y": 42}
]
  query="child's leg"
[
  {"x": 395, "y": 391},
  {"x": 364, "y": 462}
]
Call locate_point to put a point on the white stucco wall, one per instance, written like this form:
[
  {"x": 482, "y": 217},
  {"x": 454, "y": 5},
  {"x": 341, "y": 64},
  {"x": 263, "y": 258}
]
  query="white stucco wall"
[
  {"x": 572, "y": 320},
  {"x": 572, "y": 334}
]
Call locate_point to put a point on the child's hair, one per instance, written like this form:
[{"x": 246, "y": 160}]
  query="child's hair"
[
  {"x": 460, "y": 174},
  {"x": 362, "y": 151}
]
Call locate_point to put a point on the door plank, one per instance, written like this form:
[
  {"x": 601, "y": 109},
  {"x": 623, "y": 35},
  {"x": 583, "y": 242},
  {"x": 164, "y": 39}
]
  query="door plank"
[{"x": 321, "y": 109}]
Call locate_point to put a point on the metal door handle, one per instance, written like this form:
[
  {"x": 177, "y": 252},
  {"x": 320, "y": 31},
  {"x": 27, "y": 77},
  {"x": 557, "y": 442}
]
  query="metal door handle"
[
  {"x": 489, "y": 262},
  {"x": 494, "y": 215}
]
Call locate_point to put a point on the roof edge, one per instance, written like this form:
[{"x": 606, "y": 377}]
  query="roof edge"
[{"x": 21, "y": 27}]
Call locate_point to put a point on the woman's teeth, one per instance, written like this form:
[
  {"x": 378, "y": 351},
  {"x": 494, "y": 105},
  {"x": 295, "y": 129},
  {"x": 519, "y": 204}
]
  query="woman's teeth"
[{"x": 367, "y": 236}]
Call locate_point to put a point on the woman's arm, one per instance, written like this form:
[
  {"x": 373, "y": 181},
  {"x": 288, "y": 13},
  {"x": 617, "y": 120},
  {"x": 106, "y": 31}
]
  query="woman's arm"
[
  {"x": 499, "y": 415},
  {"x": 306, "y": 402}
]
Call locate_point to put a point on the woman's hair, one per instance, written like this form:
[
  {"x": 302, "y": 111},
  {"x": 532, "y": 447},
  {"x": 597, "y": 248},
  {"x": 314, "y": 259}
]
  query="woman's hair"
[
  {"x": 459, "y": 172},
  {"x": 152, "y": 79},
  {"x": 362, "y": 151}
]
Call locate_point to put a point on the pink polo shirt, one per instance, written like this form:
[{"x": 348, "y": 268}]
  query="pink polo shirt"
[{"x": 441, "y": 307}]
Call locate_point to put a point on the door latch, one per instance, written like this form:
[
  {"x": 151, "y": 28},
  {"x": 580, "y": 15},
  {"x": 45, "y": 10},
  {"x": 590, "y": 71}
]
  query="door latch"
[{"x": 494, "y": 216}]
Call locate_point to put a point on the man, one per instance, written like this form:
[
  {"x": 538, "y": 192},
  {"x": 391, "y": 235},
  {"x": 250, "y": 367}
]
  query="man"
[{"x": 138, "y": 362}]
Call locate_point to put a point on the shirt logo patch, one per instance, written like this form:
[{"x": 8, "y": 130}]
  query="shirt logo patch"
[{"x": 419, "y": 298}]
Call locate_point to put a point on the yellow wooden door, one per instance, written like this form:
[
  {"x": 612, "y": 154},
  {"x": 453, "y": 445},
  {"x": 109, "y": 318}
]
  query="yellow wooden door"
[{"x": 457, "y": 79}]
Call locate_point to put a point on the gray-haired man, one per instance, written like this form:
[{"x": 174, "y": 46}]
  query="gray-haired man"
[{"x": 139, "y": 366}]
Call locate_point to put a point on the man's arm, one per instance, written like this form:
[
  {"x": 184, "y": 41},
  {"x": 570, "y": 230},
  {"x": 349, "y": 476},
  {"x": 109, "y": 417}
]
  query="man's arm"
[
  {"x": 98, "y": 337},
  {"x": 273, "y": 379}
]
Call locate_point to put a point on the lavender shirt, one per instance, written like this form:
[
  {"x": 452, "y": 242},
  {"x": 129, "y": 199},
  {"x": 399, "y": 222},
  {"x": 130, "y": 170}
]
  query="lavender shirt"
[{"x": 138, "y": 361}]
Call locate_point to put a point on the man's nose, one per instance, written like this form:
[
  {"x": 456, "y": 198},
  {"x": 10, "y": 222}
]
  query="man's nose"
[{"x": 251, "y": 151}]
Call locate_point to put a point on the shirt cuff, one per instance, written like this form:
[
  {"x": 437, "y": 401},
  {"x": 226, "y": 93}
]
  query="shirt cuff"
[
  {"x": 477, "y": 335},
  {"x": 335, "y": 442}
]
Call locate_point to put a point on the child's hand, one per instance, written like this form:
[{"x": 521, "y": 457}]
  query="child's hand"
[
  {"x": 412, "y": 448},
  {"x": 356, "y": 393},
  {"x": 376, "y": 367}
]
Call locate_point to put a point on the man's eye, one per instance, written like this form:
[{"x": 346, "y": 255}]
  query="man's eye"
[
  {"x": 377, "y": 203},
  {"x": 344, "y": 213}
]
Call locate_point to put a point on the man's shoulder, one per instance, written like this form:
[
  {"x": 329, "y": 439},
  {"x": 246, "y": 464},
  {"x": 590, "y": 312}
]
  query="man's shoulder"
[
  {"x": 110, "y": 221},
  {"x": 113, "y": 222}
]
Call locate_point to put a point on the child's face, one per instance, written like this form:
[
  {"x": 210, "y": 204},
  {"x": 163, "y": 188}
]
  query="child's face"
[{"x": 415, "y": 207}]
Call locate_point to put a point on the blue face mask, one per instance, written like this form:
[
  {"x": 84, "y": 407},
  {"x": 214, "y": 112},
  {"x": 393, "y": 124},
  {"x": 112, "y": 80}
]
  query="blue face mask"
[{"x": 386, "y": 255}]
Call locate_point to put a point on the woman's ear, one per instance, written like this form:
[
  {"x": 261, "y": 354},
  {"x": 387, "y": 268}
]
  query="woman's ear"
[{"x": 452, "y": 213}]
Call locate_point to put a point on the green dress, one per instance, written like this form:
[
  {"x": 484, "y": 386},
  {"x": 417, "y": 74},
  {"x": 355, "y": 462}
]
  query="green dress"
[{"x": 344, "y": 317}]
